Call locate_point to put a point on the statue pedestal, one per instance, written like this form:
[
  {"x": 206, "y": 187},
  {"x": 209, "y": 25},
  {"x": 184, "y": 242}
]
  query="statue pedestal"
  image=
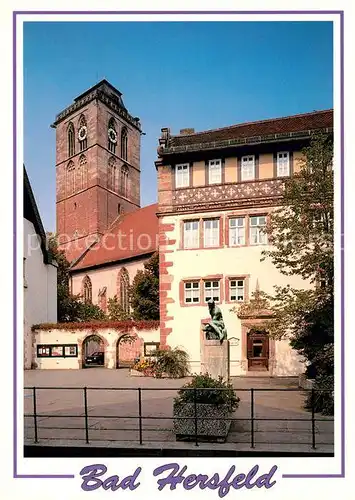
[{"x": 215, "y": 358}]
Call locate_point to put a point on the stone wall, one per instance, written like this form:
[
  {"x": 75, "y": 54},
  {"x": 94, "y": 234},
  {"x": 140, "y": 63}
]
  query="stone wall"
[{"x": 114, "y": 349}]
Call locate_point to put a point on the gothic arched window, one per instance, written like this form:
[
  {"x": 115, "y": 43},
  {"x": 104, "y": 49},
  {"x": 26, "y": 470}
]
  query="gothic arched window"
[
  {"x": 112, "y": 135},
  {"x": 103, "y": 299},
  {"x": 112, "y": 175},
  {"x": 87, "y": 290},
  {"x": 82, "y": 173},
  {"x": 70, "y": 178},
  {"x": 124, "y": 143},
  {"x": 71, "y": 140},
  {"x": 123, "y": 289},
  {"x": 82, "y": 133},
  {"x": 124, "y": 181}
]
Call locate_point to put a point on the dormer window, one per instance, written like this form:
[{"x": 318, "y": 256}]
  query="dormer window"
[{"x": 215, "y": 172}]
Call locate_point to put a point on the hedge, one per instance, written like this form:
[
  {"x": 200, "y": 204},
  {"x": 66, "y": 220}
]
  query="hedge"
[{"x": 122, "y": 326}]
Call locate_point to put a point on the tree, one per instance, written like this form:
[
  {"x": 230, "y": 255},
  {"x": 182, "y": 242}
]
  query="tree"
[
  {"x": 145, "y": 291},
  {"x": 301, "y": 235},
  {"x": 70, "y": 308},
  {"x": 301, "y": 231},
  {"x": 115, "y": 310}
]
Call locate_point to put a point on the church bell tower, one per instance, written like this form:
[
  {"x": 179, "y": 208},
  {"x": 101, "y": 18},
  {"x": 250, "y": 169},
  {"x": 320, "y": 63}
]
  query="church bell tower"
[{"x": 97, "y": 166}]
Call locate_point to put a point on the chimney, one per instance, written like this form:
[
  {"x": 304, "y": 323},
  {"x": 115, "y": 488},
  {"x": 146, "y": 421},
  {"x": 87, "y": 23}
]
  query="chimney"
[{"x": 187, "y": 131}]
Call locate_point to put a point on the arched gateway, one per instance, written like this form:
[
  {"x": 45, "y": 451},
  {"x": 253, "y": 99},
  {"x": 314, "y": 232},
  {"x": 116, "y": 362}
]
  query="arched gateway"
[{"x": 93, "y": 352}]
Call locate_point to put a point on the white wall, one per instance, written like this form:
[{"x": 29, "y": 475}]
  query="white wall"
[
  {"x": 61, "y": 336},
  {"x": 227, "y": 261},
  {"x": 105, "y": 277},
  {"x": 40, "y": 289}
]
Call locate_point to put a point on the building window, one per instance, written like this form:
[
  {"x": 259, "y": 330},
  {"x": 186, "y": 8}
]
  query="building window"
[
  {"x": 82, "y": 133},
  {"x": 237, "y": 231},
  {"x": 191, "y": 292},
  {"x": 112, "y": 135},
  {"x": 71, "y": 140},
  {"x": 124, "y": 143},
  {"x": 236, "y": 290},
  {"x": 283, "y": 164},
  {"x": 87, "y": 290},
  {"x": 212, "y": 291},
  {"x": 124, "y": 181},
  {"x": 257, "y": 230},
  {"x": 70, "y": 178},
  {"x": 103, "y": 299},
  {"x": 182, "y": 174},
  {"x": 247, "y": 168},
  {"x": 211, "y": 233},
  {"x": 82, "y": 174},
  {"x": 215, "y": 172},
  {"x": 124, "y": 289},
  {"x": 191, "y": 234},
  {"x": 112, "y": 175}
]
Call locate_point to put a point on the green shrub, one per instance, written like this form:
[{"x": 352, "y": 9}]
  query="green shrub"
[
  {"x": 208, "y": 390},
  {"x": 172, "y": 362}
]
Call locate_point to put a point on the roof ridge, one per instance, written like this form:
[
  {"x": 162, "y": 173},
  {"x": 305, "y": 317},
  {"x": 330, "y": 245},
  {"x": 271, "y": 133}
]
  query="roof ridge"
[
  {"x": 121, "y": 217},
  {"x": 253, "y": 123}
]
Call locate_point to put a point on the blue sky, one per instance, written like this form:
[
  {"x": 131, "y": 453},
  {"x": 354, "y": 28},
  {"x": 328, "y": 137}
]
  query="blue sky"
[{"x": 178, "y": 75}]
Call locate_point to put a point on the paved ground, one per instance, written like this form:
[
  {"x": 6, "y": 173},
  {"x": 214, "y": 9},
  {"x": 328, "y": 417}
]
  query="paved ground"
[{"x": 63, "y": 411}]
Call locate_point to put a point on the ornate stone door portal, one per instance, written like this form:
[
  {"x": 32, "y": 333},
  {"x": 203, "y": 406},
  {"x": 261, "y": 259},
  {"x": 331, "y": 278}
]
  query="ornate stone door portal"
[{"x": 258, "y": 350}]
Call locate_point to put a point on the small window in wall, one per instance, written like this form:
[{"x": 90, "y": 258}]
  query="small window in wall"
[
  {"x": 191, "y": 292},
  {"x": 248, "y": 168},
  {"x": 211, "y": 233},
  {"x": 214, "y": 171},
  {"x": 237, "y": 231},
  {"x": 57, "y": 351},
  {"x": 257, "y": 230},
  {"x": 182, "y": 175},
  {"x": 150, "y": 348},
  {"x": 236, "y": 290},
  {"x": 212, "y": 291},
  {"x": 283, "y": 164},
  {"x": 191, "y": 234}
]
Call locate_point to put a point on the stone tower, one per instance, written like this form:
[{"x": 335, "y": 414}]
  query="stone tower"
[{"x": 97, "y": 166}]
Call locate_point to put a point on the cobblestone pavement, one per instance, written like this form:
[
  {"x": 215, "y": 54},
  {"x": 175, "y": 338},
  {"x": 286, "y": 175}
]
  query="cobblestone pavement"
[{"x": 64, "y": 410}]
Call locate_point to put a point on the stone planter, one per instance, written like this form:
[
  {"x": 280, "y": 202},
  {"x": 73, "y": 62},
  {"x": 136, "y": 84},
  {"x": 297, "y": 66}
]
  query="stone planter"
[
  {"x": 215, "y": 429},
  {"x": 136, "y": 373}
]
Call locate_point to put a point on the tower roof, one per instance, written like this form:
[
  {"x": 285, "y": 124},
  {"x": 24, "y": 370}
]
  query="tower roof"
[{"x": 106, "y": 93}]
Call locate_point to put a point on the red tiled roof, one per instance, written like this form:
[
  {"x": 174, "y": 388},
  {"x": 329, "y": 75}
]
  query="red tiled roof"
[
  {"x": 134, "y": 234},
  {"x": 295, "y": 123}
]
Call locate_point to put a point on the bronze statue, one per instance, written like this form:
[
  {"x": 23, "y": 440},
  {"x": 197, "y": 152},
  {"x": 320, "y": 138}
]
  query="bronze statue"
[{"x": 215, "y": 329}]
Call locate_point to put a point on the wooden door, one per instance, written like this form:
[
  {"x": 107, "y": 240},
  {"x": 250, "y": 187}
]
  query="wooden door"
[{"x": 258, "y": 351}]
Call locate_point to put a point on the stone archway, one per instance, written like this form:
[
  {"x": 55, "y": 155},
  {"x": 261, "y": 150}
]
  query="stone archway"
[
  {"x": 93, "y": 352},
  {"x": 128, "y": 349}
]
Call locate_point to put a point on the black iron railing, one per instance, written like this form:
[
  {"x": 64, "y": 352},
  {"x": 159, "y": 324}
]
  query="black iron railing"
[{"x": 312, "y": 419}]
